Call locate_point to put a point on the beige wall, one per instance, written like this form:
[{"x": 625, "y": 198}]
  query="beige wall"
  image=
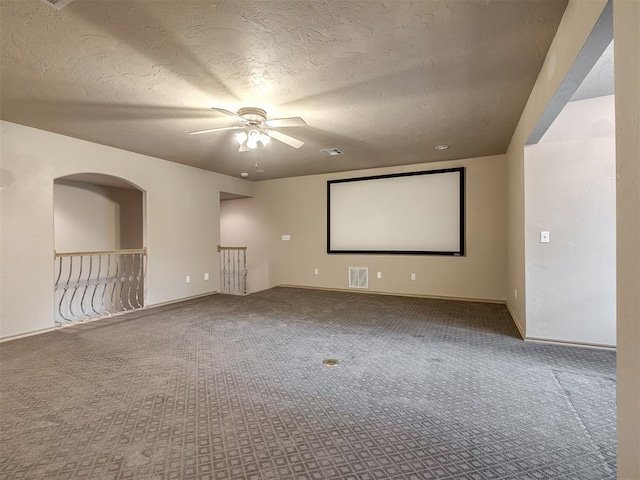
[
  {"x": 576, "y": 25},
  {"x": 626, "y": 14},
  {"x": 90, "y": 217},
  {"x": 297, "y": 207},
  {"x": 131, "y": 208},
  {"x": 570, "y": 191},
  {"x": 182, "y": 205},
  {"x": 84, "y": 218}
]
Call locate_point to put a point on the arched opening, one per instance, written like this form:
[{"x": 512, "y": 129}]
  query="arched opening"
[{"x": 99, "y": 240}]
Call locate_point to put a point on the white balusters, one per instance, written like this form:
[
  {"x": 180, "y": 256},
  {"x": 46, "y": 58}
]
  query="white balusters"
[
  {"x": 96, "y": 284},
  {"x": 233, "y": 270}
]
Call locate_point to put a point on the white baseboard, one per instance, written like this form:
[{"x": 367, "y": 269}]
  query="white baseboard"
[
  {"x": 395, "y": 294},
  {"x": 28, "y": 334},
  {"x": 171, "y": 302},
  {"x": 115, "y": 315},
  {"x": 566, "y": 343}
]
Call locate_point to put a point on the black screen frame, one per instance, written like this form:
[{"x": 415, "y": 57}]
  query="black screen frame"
[{"x": 455, "y": 253}]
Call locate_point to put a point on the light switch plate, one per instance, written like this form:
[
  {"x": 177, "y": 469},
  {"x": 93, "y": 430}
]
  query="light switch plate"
[
  {"x": 544, "y": 237},
  {"x": 286, "y": 238}
]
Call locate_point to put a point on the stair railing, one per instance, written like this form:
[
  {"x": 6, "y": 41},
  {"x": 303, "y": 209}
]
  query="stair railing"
[
  {"x": 233, "y": 270},
  {"x": 90, "y": 285}
]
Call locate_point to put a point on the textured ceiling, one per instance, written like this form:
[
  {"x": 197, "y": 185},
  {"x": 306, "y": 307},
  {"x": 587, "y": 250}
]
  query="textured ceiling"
[{"x": 383, "y": 81}]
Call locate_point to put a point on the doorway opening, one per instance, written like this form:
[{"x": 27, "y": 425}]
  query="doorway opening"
[{"x": 570, "y": 198}]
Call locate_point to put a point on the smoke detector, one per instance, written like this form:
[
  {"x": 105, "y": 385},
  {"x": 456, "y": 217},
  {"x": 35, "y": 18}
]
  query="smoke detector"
[
  {"x": 330, "y": 152},
  {"x": 57, "y": 4}
]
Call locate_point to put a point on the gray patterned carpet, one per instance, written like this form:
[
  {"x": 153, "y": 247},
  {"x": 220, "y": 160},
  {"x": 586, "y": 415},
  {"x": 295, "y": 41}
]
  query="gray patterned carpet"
[{"x": 234, "y": 388}]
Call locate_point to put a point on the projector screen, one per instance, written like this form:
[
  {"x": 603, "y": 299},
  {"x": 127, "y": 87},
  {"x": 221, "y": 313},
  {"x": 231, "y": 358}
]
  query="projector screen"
[{"x": 417, "y": 213}]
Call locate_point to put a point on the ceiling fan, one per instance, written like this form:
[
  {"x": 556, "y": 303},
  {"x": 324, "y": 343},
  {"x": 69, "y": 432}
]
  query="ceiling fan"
[{"x": 257, "y": 129}]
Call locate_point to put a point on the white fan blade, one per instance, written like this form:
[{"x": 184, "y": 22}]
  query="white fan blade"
[
  {"x": 292, "y": 142},
  {"x": 243, "y": 147},
  {"x": 198, "y": 132},
  {"x": 285, "y": 122},
  {"x": 230, "y": 113}
]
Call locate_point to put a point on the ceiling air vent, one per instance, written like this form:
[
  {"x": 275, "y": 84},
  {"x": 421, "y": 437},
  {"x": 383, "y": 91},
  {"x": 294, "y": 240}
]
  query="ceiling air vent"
[
  {"x": 330, "y": 152},
  {"x": 358, "y": 277},
  {"x": 57, "y": 4}
]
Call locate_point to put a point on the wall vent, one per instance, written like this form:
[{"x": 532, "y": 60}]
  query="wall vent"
[
  {"x": 358, "y": 277},
  {"x": 57, "y": 4},
  {"x": 330, "y": 152}
]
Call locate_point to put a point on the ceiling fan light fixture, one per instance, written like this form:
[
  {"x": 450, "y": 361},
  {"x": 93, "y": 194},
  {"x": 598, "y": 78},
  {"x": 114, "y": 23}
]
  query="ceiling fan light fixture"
[
  {"x": 253, "y": 139},
  {"x": 254, "y": 135},
  {"x": 255, "y": 128},
  {"x": 241, "y": 137}
]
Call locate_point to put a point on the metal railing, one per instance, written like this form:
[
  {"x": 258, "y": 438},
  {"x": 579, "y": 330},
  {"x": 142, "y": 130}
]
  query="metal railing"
[
  {"x": 90, "y": 285},
  {"x": 233, "y": 270}
]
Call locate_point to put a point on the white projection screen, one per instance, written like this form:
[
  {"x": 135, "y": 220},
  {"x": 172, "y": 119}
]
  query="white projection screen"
[{"x": 417, "y": 213}]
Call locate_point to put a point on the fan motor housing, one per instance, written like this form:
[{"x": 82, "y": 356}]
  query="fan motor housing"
[{"x": 253, "y": 114}]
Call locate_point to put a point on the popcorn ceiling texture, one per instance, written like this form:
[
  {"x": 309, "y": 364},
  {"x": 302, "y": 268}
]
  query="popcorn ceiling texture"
[{"x": 383, "y": 81}]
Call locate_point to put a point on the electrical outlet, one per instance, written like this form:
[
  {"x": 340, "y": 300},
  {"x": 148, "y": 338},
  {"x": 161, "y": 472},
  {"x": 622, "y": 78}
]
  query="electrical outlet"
[
  {"x": 188, "y": 279},
  {"x": 379, "y": 275},
  {"x": 413, "y": 276},
  {"x": 206, "y": 276},
  {"x": 315, "y": 271}
]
